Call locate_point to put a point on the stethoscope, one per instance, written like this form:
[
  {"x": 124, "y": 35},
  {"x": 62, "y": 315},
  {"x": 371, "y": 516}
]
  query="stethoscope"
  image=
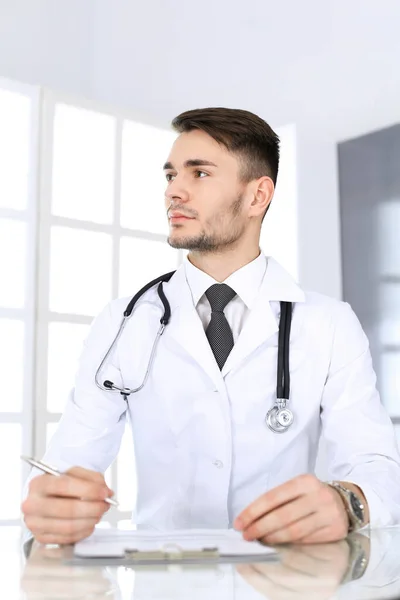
[{"x": 279, "y": 418}]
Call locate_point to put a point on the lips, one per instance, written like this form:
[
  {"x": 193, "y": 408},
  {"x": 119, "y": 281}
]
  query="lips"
[{"x": 179, "y": 217}]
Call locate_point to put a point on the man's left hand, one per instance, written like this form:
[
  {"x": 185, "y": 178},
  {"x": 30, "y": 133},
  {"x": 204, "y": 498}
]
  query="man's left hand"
[{"x": 302, "y": 510}]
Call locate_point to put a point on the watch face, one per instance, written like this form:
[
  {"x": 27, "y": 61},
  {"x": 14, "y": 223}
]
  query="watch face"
[{"x": 357, "y": 507}]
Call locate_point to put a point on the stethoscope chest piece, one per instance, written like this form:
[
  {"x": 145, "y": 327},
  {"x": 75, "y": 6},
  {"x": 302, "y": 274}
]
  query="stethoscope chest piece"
[{"x": 279, "y": 418}]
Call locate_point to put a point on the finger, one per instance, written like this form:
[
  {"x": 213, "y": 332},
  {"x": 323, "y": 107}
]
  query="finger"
[
  {"x": 68, "y": 486},
  {"x": 260, "y": 582},
  {"x": 298, "y": 557},
  {"x": 286, "y": 577},
  {"x": 277, "y": 497},
  {"x": 316, "y": 564},
  {"x": 298, "y": 530},
  {"x": 56, "y": 538},
  {"x": 281, "y": 517},
  {"x": 64, "y": 508},
  {"x": 275, "y": 571},
  {"x": 272, "y": 581},
  {"x": 330, "y": 533},
  {"x": 40, "y": 526},
  {"x": 87, "y": 474},
  {"x": 81, "y": 583},
  {"x": 294, "y": 558},
  {"x": 297, "y": 584},
  {"x": 321, "y": 552}
]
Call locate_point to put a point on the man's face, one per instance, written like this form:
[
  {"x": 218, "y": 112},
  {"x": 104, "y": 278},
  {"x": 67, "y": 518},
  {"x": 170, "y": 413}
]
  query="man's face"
[{"x": 206, "y": 193}]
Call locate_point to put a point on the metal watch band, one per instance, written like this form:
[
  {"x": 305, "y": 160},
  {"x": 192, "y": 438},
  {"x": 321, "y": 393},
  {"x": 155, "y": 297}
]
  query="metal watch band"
[
  {"x": 354, "y": 522},
  {"x": 358, "y": 559}
]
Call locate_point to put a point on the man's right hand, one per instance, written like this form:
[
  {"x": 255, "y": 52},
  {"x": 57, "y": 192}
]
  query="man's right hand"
[{"x": 65, "y": 509}]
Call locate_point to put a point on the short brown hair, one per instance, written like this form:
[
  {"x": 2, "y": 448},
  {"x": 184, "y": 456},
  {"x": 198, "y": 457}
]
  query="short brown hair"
[{"x": 242, "y": 133}]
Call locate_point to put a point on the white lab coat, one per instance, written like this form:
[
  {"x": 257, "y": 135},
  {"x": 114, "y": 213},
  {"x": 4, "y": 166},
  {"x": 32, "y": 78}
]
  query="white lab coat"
[{"x": 203, "y": 450}]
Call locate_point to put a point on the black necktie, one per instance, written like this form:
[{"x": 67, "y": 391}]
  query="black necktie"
[{"x": 218, "y": 332}]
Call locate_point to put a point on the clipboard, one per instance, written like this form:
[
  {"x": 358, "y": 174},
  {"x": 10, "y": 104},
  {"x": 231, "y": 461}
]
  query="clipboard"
[
  {"x": 171, "y": 553},
  {"x": 163, "y": 560},
  {"x": 169, "y": 548}
]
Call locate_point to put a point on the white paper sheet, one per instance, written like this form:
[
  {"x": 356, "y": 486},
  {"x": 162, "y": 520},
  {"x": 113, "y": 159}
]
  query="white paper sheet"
[{"x": 114, "y": 542}]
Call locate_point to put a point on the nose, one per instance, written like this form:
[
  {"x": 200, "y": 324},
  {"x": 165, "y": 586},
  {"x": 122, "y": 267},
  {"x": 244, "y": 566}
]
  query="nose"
[{"x": 176, "y": 191}]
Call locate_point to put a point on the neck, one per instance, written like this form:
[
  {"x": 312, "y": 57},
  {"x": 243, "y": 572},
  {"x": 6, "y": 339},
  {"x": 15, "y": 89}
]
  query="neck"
[{"x": 219, "y": 265}]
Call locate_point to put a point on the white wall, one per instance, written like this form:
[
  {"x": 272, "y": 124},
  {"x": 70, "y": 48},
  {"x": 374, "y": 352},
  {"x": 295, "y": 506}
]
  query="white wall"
[
  {"x": 47, "y": 42},
  {"x": 330, "y": 67}
]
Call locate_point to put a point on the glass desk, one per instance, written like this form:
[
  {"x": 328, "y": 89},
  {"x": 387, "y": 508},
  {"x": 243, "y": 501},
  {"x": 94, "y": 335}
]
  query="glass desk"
[{"x": 368, "y": 566}]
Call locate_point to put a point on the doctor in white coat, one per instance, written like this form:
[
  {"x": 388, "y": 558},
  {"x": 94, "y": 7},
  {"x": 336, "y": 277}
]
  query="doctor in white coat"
[{"x": 205, "y": 454}]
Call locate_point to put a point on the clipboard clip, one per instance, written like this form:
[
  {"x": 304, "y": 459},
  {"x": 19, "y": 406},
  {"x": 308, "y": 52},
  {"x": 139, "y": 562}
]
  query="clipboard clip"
[{"x": 171, "y": 553}]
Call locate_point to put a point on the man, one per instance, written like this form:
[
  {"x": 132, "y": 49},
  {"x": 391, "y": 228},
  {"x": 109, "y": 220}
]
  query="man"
[{"x": 205, "y": 454}]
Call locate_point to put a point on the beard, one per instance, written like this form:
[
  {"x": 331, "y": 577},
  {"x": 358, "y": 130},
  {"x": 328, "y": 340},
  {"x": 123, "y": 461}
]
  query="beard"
[{"x": 219, "y": 233}]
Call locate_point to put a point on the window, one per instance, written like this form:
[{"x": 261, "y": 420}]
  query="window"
[
  {"x": 19, "y": 109},
  {"x": 81, "y": 198},
  {"x": 279, "y": 230},
  {"x": 97, "y": 216}
]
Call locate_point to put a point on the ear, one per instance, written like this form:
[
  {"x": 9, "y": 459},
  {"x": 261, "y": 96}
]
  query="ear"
[{"x": 263, "y": 193}]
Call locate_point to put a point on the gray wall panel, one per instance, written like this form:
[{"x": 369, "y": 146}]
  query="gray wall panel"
[{"x": 369, "y": 186}]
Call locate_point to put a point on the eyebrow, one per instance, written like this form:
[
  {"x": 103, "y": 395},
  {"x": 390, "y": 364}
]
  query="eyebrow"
[{"x": 194, "y": 162}]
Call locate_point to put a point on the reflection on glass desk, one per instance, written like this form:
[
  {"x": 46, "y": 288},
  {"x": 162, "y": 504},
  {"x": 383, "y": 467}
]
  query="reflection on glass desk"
[{"x": 367, "y": 565}]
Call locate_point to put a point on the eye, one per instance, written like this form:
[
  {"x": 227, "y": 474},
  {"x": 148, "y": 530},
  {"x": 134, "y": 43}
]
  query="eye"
[
  {"x": 199, "y": 173},
  {"x": 169, "y": 177}
]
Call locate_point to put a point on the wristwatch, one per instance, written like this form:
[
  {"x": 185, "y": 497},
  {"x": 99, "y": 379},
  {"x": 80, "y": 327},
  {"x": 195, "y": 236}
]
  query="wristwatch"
[
  {"x": 354, "y": 507},
  {"x": 358, "y": 558}
]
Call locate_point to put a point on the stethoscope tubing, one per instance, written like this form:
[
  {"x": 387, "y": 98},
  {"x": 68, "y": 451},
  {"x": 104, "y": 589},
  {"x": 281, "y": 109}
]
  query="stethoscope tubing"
[{"x": 283, "y": 370}]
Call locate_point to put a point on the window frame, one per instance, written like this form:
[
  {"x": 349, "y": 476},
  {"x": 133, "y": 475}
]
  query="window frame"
[
  {"x": 29, "y": 215},
  {"x": 46, "y": 221}
]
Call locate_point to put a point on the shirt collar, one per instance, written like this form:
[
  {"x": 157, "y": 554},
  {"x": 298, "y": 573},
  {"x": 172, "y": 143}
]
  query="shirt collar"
[{"x": 246, "y": 281}]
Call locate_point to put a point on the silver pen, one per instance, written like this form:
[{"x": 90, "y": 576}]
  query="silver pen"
[{"x": 52, "y": 471}]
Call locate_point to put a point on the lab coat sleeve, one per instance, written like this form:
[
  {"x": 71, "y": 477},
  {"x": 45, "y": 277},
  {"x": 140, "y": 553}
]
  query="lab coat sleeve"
[
  {"x": 359, "y": 436},
  {"x": 91, "y": 427},
  {"x": 90, "y": 431}
]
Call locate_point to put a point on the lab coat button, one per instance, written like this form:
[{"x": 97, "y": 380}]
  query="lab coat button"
[{"x": 218, "y": 464}]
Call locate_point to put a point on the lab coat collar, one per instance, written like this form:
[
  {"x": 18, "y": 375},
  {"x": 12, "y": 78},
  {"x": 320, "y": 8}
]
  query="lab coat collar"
[
  {"x": 187, "y": 329},
  {"x": 261, "y": 323},
  {"x": 279, "y": 286},
  {"x": 245, "y": 281}
]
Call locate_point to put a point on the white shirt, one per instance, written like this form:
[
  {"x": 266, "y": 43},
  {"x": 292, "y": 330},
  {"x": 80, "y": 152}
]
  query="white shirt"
[{"x": 245, "y": 282}]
